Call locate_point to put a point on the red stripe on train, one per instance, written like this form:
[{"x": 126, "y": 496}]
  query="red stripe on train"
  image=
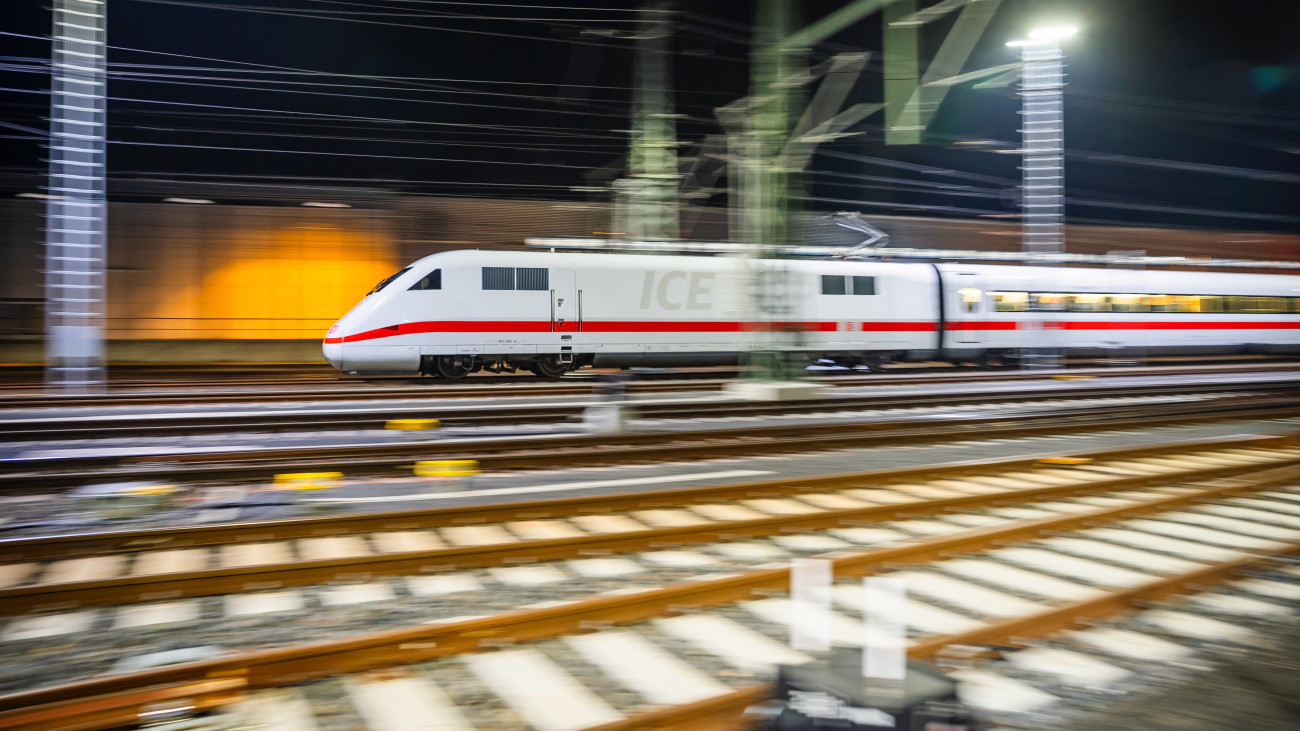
[
  {"x": 1158, "y": 325},
  {"x": 536, "y": 326}
]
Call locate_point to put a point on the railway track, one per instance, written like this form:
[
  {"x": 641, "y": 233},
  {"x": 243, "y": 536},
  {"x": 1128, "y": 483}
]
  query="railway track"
[
  {"x": 344, "y": 388},
  {"x": 583, "y": 450},
  {"x": 993, "y": 553},
  {"x": 72, "y": 424},
  {"x": 37, "y": 569}
]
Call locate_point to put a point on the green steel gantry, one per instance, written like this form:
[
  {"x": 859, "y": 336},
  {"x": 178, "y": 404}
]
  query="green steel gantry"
[
  {"x": 649, "y": 195},
  {"x": 766, "y": 148}
]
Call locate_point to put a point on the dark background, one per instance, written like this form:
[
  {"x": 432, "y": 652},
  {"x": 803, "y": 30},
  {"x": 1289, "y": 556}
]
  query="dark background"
[{"x": 524, "y": 101}]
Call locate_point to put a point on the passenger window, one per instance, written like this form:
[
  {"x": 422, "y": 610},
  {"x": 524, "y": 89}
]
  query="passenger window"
[
  {"x": 432, "y": 280},
  {"x": 1157, "y": 302},
  {"x": 1048, "y": 302},
  {"x": 864, "y": 285},
  {"x": 834, "y": 284},
  {"x": 970, "y": 299},
  {"x": 498, "y": 277},
  {"x": 1258, "y": 305},
  {"x": 1010, "y": 301},
  {"x": 1127, "y": 303},
  {"x": 532, "y": 279},
  {"x": 1090, "y": 303}
]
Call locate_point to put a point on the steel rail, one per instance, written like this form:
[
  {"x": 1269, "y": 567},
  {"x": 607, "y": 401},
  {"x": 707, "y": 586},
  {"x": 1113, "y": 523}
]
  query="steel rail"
[
  {"x": 191, "y": 536},
  {"x": 549, "y": 452},
  {"x": 335, "y": 388},
  {"x": 27, "y": 428},
  {"x": 210, "y": 582},
  {"x": 118, "y": 699}
]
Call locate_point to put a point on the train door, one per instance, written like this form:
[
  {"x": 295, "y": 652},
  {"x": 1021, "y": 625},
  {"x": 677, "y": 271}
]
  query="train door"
[
  {"x": 566, "y": 311},
  {"x": 970, "y": 313}
]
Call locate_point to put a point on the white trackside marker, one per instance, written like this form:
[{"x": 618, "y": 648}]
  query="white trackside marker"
[
  {"x": 810, "y": 592},
  {"x": 884, "y": 647}
]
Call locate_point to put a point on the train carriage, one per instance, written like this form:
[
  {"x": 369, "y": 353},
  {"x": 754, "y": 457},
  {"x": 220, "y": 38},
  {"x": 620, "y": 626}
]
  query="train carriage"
[{"x": 456, "y": 312}]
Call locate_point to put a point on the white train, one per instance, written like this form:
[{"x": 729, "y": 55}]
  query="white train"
[{"x": 456, "y": 312}]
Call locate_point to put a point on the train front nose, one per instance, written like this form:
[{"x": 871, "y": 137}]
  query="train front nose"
[{"x": 332, "y": 348}]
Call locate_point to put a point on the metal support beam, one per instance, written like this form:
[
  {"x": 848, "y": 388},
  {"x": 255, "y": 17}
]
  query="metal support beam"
[
  {"x": 770, "y": 158},
  {"x": 75, "y": 217},
  {"x": 831, "y": 24},
  {"x": 800, "y": 149},
  {"x": 765, "y": 184},
  {"x": 925, "y": 99},
  {"x": 649, "y": 194},
  {"x": 902, "y": 122},
  {"x": 1004, "y": 74},
  {"x": 838, "y": 75}
]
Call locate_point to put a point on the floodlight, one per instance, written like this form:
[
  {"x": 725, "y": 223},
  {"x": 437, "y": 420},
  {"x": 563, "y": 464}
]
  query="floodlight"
[
  {"x": 1046, "y": 34},
  {"x": 1053, "y": 33}
]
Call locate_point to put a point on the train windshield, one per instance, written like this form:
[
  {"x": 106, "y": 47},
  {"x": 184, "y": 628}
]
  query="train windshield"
[{"x": 384, "y": 283}]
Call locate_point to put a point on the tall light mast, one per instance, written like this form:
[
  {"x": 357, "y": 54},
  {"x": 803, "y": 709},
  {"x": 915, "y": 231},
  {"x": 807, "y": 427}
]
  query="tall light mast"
[
  {"x": 76, "y": 212},
  {"x": 1042, "y": 79}
]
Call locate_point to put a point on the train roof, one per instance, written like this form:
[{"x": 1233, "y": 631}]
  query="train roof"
[{"x": 1116, "y": 260}]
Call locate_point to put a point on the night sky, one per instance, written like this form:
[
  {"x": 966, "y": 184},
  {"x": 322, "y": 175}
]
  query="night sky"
[{"x": 1178, "y": 112}]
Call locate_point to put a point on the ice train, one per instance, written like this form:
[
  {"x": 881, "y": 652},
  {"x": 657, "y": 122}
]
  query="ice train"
[{"x": 456, "y": 312}]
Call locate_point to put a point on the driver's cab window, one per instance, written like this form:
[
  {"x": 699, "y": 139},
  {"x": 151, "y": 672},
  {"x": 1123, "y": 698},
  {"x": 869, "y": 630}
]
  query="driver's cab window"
[
  {"x": 432, "y": 280},
  {"x": 386, "y": 281}
]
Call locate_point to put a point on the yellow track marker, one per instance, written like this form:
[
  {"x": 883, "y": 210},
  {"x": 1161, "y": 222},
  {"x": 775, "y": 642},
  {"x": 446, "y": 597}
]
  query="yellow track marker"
[
  {"x": 447, "y": 468},
  {"x": 308, "y": 480},
  {"x": 412, "y": 424},
  {"x": 1065, "y": 460},
  {"x": 150, "y": 490}
]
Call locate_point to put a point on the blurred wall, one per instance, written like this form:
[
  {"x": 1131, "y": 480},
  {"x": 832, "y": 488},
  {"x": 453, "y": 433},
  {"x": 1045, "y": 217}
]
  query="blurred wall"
[
  {"x": 230, "y": 282},
  {"x": 242, "y": 272}
]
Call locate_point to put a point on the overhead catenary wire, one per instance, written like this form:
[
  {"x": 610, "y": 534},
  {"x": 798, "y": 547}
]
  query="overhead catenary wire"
[
  {"x": 288, "y": 119},
  {"x": 117, "y": 65},
  {"x": 511, "y": 5},
  {"x": 221, "y": 148},
  {"x": 279, "y": 121},
  {"x": 408, "y": 12},
  {"x": 600, "y": 149},
  {"x": 314, "y": 16},
  {"x": 272, "y": 68},
  {"x": 243, "y": 178},
  {"x": 1182, "y": 166},
  {"x": 192, "y": 83},
  {"x": 371, "y": 97},
  {"x": 127, "y": 72}
]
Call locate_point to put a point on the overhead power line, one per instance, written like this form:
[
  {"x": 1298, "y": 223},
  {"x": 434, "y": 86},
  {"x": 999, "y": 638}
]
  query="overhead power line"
[
  {"x": 411, "y": 26},
  {"x": 220, "y": 148}
]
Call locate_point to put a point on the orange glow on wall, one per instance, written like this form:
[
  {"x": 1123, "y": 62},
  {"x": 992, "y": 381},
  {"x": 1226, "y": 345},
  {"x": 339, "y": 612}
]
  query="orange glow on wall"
[{"x": 290, "y": 282}]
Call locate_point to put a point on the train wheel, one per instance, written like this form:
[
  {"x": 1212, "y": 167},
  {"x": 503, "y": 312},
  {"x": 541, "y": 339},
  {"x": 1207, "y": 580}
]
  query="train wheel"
[
  {"x": 453, "y": 368},
  {"x": 548, "y": 367}
]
